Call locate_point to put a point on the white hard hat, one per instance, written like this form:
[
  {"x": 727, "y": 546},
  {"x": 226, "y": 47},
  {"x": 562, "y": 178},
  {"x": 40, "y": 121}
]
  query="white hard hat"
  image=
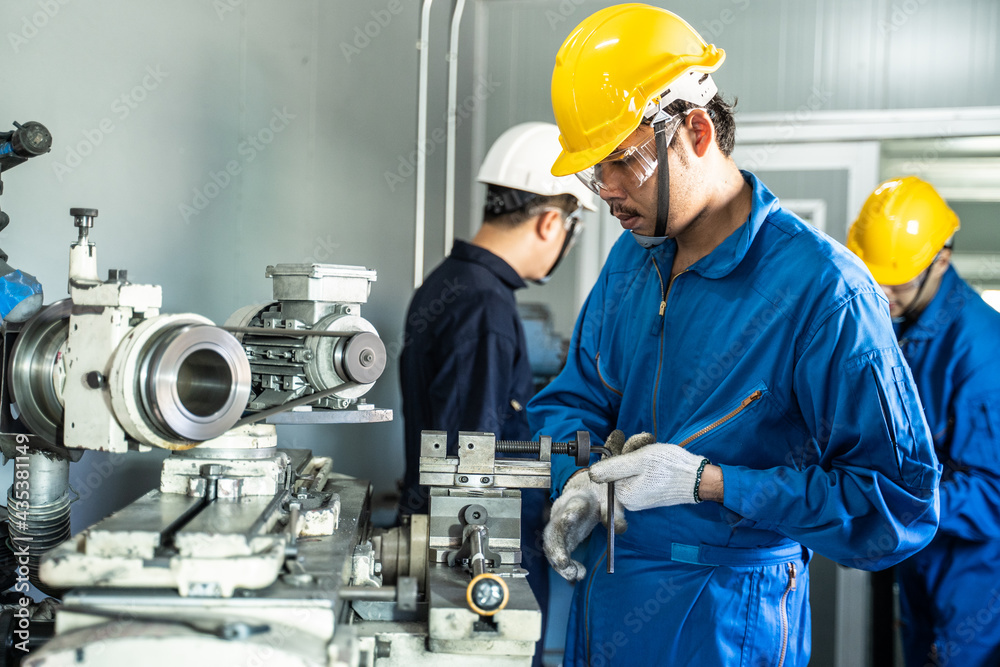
[{"x": 522, "y": 157}]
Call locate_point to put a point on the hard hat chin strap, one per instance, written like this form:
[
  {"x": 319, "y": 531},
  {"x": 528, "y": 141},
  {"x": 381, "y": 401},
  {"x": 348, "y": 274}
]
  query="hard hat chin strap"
[
  {"x": 910, "y": 314},
  {"x": 695, "y": 87},
  {"x": 662, "y": 174}
]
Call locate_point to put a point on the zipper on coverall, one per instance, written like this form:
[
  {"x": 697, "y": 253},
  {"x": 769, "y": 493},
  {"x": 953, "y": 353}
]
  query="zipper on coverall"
[
  {"x": 664, "y": 293},
  {"x": 744, "y": 404},
  {"x": 784, "y": 613}
]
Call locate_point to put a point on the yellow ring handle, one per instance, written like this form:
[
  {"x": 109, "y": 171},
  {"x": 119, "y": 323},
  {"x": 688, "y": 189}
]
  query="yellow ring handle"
[{"x": 472, "y": 584}]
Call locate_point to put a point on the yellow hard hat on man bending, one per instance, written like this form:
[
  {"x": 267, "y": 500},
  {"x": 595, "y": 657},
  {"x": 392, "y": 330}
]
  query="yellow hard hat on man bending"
[{"x": 901, "y": 228}]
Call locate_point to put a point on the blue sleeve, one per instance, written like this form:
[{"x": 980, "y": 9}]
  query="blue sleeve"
[
  {"x": 578, "y": 399},
  {"x": 970, "y": 489},
  {"x": 865, "y": 492}
]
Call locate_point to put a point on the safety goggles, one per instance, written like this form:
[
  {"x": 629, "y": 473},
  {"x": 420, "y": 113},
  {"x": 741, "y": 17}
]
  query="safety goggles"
[
  {"x": 628, "y": 167},
  {"x": 573, "y": 225},
  {"x": 917, "y": 283},
  {"x": 911, "y": 285}
]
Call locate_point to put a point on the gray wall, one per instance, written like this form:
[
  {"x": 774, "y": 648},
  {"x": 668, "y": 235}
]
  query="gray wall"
[
  {"x": 865, "y": 54},
  {"x": 829, "y": 186}
]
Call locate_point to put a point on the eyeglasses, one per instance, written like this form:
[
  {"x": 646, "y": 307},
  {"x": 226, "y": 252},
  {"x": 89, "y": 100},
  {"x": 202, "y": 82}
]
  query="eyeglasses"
[
  {"x": 572, "y": 223},
  {"x": 909, "y": 285},
  {"x": 628, "y": 167},
  {"x": 918, "y": 281}
]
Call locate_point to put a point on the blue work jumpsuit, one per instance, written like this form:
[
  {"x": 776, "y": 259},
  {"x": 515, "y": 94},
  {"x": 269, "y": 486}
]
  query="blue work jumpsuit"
[
  {"x": 464, "y": 367},
  {"x": 773, "y": 357},
  {"x": 950, "y": 591}
]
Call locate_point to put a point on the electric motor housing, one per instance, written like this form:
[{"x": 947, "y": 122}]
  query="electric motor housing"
[{"x": 312, "y": 338}]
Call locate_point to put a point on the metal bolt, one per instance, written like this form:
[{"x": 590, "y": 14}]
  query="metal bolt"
[
  {"x": 463, "y": 479},
  {"x": 383, "y": 649},
  {"x": 211, "y": 470},
  {"x": 94, "y": 379},
  {"x": 484, "y": 480}
]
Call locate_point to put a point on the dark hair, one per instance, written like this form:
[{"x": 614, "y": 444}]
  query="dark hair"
[
  {"x": 510, "y": 218},
  {"x": 721, "y": 113}
]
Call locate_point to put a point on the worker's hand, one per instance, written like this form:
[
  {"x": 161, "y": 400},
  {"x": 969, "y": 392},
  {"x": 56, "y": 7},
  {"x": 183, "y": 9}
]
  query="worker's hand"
[
  {"x": 617, "y": 443},
  {"x": 656, "y": 475},
  {"x": 574, "y": 515}
]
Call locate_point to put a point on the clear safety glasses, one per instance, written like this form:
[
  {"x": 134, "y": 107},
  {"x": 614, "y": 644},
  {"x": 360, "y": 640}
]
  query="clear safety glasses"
[
  {"x": 572, "y": 223},
  {"x": 573, "y": 227},
  {"x": 628, "y": 167}
]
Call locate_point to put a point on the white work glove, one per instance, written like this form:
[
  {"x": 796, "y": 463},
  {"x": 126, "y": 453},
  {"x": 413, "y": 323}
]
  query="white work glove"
[
  {"x": 578, "y": 509},
  {"x": 657, "y": 475},
  {"x": 574, "y": 515}
]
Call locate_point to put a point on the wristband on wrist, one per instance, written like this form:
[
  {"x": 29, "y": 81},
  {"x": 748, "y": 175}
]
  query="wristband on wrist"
[{"x": 697, "y": 479}]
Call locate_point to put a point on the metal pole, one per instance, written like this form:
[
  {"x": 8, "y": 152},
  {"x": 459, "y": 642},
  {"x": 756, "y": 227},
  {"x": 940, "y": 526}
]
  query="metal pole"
[
  {"x": 424, "y": 46},
  {"x": 449, "y": 182}
]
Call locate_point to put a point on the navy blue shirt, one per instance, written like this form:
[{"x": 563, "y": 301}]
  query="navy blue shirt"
[{"x": 464, "y": 365}]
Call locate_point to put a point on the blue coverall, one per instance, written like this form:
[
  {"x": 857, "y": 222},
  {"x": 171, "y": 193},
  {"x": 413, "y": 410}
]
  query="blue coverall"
[
  {"x": 464, "y": 367},
  {"x": 773, "y": 357},
  {"x": 950, "y": 591}
]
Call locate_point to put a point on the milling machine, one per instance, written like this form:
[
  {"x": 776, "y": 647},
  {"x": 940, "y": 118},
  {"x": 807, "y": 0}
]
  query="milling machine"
[{"x": 246, "y": 553}]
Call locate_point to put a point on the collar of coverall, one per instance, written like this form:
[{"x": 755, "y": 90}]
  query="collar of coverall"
[{"x": 727, "y": 255}]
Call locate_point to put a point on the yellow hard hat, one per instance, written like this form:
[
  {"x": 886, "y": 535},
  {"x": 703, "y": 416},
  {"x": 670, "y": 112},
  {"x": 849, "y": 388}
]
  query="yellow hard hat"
[
  {"x": 900, "y": 230},
  {"x": 610, "y": 68}
]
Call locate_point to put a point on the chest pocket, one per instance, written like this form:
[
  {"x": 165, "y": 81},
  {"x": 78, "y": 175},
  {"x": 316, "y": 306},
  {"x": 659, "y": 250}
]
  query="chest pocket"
[
  {"x": 609, "y": 384},
  {"x": 733, "y": 421}
]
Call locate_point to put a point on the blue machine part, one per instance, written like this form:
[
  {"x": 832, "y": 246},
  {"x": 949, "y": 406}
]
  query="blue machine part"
[
  {"x": 20, "y": 296},
  {"x": 546, "y": 348}
]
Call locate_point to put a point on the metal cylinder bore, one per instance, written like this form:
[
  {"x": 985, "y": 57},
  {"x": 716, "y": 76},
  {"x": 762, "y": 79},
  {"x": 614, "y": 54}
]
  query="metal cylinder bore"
[
  {"x": 194, "y": 381},
  {"x": 37, "y": 373},
  {"x": 173, "y": 378},
  {"x": 178, "y": 379}
]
